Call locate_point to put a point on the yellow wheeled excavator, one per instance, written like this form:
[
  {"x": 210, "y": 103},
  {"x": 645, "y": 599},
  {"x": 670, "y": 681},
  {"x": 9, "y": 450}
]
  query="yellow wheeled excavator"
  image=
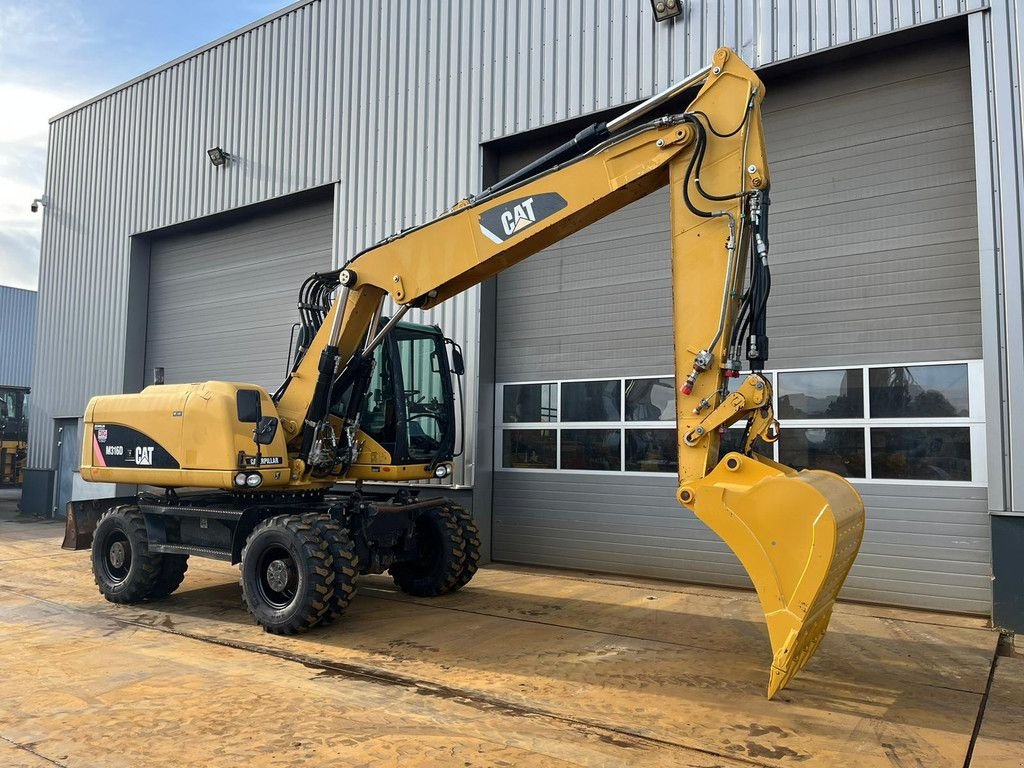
[{"x": 371, "y": 397}]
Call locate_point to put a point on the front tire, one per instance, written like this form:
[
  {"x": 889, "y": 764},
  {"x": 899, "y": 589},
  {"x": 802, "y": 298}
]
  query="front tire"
[
  {"x": 287, "y": 575},
  {"x": 440, "y": 555},
  {"x": 124, "y": 569}
]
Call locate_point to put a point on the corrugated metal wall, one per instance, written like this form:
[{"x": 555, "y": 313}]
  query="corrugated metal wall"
[
  {"x": 392, "y": 105},
  {"x": 924, "y": 547},
  {"x": 17, "y": 335},
  {"x": 874, "y": 237}
]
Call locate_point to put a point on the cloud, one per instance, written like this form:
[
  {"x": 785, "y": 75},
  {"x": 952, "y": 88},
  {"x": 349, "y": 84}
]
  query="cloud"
[
  {"x": 55, "y": 55},
  {"x": 23, "y": 135},
  {"x": 35, "y": 43}
]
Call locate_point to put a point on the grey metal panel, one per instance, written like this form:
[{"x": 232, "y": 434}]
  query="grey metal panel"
[
  {"x": 17, "y": 335},
  {"x": 874, "y": 239},
  {"x": 546, "y": 319},
  {"x": 874, "y": 228},
  {"x": 392, "y": 106},
  {"x": 222, "y": 301},
  {"x": 924, "y": 546}
]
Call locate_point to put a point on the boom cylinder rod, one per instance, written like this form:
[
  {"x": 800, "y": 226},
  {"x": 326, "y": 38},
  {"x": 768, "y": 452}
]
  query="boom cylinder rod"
[
  {"x": 617, "y": 124},
  {"x": 372, "y": 344},
  {"x": 593, "y": 134},
  {"x": 341, "y": 303}
]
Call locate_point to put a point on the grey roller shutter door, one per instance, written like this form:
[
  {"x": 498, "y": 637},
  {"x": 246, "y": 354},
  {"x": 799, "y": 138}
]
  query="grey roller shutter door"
[
  {"x": 876, "y": 260},
  {"x": 222, "y": 301}
]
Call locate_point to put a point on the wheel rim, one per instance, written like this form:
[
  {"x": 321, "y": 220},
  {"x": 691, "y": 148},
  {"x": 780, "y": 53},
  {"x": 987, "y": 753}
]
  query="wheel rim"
[
  {"x": 277, "y": 577},
  {"x": 117, "y": 557}
]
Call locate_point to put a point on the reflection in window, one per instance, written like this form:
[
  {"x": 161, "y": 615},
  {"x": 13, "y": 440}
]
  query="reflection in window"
[
  {"x": 591, "y": 449},
  {"x": 732, "y": 441},
  {"x": 528, "y": 448},
  {"x": 651, "y": 450},
  {"x": 529, "y": 403},
  {"x": 918, "y": 391},
  {"x": 836, "y": 450},
  {"x": 651, "y": 399},
  {"x": 921, "y": 453},
  {"x": 822, "y": 394},
  {"x": 591, "y": 401}
]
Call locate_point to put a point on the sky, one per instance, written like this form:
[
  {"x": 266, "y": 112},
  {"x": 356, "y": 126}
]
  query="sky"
[{"x": 55, "y": 54}]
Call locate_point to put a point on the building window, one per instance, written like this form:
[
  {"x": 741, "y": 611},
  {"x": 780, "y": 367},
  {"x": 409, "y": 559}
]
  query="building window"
[
  {"x": 591, "y": 401},
  {"x": 837, "y": 394},
  {"x": 531, "y": 403},
  {"x": 529, "y": 448},
  {"x": 837, "y": 449},
  {"x": 921, "y": 453},
  {"x": 652, "y": 450},
  {"x": 920, "y": 422},
  {"x": 591, "y": 449}
]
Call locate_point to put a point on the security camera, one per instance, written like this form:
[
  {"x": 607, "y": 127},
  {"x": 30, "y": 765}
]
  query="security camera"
[
  {"x": 35, "y": 206},
  {"x": 39, "y": 201}
]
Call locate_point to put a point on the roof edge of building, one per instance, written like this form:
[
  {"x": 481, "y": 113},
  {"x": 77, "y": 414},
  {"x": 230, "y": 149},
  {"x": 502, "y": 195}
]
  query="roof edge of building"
[{"x": 290, "y": 8}]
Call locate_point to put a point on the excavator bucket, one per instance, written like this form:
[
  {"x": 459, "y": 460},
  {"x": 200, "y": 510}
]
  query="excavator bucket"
[{"x": 796, "y": 533}]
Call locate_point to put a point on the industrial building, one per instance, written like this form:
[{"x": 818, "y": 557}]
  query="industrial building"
[
  {"x": 894, "y": 130},
  {"x": 17, "y": 339}
]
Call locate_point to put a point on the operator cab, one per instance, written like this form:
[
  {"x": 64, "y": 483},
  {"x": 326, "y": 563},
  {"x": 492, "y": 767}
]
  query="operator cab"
[
  {"x": 13, "y": 424},
  {"x": 409, "y": 402}
]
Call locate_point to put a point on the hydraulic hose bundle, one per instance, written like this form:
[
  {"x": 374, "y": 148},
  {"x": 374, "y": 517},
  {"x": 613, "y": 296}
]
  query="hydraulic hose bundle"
[
  {"x": 314, "y": 304},
  {"x": 751, "y": 323}
]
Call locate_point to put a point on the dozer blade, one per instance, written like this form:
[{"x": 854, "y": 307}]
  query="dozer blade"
[{"x": 796, "y": 533}]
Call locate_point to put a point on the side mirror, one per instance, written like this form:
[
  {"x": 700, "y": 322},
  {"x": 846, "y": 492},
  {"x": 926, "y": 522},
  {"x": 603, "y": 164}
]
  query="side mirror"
[
  {"x": 458, "y": 364},
  {"x": 266, "y": 429}
]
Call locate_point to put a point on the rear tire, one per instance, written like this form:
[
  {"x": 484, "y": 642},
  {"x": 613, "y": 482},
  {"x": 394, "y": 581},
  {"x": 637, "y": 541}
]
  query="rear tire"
[
  {"x": 470, "y": 545},
  {"x": 287, "y": 575},
  {"x": 441, "y": 556},
  {"x": 345, "y": 564},
  {"x": 124, "y": 569}
]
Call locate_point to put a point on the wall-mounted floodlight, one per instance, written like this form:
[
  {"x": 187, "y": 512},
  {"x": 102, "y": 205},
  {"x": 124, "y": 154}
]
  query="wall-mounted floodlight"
[
  {"x": 218, "y": 156},
  {"x": 666, "y": 9}
]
